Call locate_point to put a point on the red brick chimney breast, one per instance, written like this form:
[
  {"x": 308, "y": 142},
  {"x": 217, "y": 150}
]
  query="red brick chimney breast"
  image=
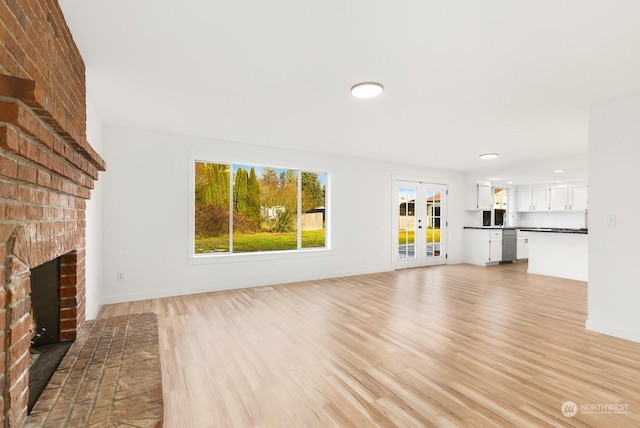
[{"x": 47, "y": 171}]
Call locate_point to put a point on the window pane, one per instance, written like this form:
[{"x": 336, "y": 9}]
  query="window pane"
[
  {"x": 313, "y": 209},
  {"x": 211, "y": 208},
  {"x": 407, "y": 223},
  {"x": 265, "y": 209},
  {"x": 433, "y": 205}
]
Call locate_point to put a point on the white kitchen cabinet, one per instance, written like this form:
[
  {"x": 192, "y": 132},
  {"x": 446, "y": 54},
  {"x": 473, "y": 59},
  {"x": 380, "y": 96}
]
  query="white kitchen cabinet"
[
  {"x": 522, "y": 245},
  {"x": 553, "y": 198},
  {"x": 484, "y": 199},
  {"x": 540, "y": 200},
  {"x": 578, "y": 198},
  {"x": 495, "y": 246},
  {"x": 480, "y": 197},
  {"x": 482, "y": 246},
  {"x": 558, "y": 198},
  {"x": 532, "y": 198},
  {"x": 524, "y": 196}
]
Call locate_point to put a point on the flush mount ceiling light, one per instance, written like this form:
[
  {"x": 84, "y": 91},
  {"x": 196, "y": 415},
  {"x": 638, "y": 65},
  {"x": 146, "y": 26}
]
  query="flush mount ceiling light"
[
  {"x": 559, "y": 171},
  {"x": 488, "y": 156},
  {"x": 367, "y": 90}
]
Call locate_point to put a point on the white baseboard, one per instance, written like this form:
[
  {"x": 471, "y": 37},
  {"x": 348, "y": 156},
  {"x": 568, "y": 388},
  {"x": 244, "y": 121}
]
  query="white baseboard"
[
  {"x": 565, "y": 275},
  {"x": 157, "y": 294},
  {"x": 610, "y": 330}
]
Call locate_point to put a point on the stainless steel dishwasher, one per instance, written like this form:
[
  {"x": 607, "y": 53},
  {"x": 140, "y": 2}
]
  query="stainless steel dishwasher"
[{"x": 509, "y": 245}]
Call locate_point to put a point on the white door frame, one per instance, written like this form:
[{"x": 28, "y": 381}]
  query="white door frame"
[{"x": 421, "y": 258}]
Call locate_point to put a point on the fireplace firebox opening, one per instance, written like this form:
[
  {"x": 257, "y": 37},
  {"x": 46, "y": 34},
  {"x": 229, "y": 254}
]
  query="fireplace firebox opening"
[{"x": 46, "y": 349}]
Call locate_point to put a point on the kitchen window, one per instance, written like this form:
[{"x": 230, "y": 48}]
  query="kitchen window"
[{"x": 499, "y": 215}]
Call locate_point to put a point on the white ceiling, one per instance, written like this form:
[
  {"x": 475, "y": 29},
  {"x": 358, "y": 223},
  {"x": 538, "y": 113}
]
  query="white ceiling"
[{"x": 461, "y": 77}]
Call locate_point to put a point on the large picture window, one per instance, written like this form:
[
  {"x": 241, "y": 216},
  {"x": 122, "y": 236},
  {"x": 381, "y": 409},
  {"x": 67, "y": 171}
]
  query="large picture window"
[{"x": 248, "y": 208}]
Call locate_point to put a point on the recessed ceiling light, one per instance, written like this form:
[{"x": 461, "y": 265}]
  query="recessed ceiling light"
[
  {"x": 509, "y": 182},
  {"x": 488, "y": 156},
  {"x": 367, "y": 90},
  {"x": 559, "y": 171}
]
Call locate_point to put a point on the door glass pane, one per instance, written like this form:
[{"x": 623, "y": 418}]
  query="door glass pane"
[
  {"x": 433, "y": 201},
  {"x": 407, "y": 223}
]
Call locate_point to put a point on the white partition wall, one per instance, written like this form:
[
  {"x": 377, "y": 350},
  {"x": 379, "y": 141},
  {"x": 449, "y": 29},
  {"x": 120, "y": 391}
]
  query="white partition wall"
[{"x": 614, "y": 204}]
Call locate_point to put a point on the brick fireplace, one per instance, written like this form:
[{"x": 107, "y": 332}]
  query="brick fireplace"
[{"x": 47, "y": 171}]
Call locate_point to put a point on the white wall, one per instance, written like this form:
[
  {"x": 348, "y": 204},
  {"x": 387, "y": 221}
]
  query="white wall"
[
  {"x": 93, "y": 261},
  {"x": 614, "y": 291},
  {"x": 146, "y": 216},
  {"x": 569, "y": 219}
]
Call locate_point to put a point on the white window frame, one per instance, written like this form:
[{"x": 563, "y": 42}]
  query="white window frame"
[{"x": 207, "y": 258}]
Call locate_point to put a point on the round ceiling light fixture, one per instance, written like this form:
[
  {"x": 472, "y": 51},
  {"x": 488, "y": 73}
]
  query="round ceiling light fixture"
[
  {"x": 367, "y": 90},
  {"x": 488, "y": 156}
]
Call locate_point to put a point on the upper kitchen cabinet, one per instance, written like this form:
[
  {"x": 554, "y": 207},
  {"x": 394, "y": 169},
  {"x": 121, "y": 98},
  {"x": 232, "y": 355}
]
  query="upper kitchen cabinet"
[
  {"x": 485, "y": 199},
  {"x": 481, "y": 199},
  {"x": 568, "y": 198},
  {"x": 558, "y": 198},
  {"x": 532, "y": 198},
  {"x": 523, "y": 198},
  {"x": 552, "y": 198},
  {"x": 578, "y": 198}
]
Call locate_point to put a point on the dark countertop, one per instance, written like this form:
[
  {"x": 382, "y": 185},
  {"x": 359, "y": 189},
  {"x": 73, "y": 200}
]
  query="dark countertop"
[
  {"x": 491, "y": 227},
  {"x": 554, "y": 230},
  {"x": 533, "y": 229}
]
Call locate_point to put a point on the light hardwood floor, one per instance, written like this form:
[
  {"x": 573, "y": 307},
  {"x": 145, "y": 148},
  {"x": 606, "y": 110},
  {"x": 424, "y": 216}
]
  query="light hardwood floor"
[{"x": 454, "y": 346}]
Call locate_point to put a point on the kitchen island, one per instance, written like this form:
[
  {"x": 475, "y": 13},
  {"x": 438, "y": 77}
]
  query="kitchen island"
[{"x": 559, "y": 252}]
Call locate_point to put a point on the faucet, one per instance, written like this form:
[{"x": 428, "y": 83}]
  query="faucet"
[{"x": 507, "y": 219}]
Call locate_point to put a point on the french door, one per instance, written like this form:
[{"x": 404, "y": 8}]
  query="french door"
[{"x": 420, "y": 224}]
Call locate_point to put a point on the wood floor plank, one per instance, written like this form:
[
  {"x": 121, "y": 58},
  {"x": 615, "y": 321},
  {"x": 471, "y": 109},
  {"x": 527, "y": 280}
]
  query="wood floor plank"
[{"x": 445, "y": 346}]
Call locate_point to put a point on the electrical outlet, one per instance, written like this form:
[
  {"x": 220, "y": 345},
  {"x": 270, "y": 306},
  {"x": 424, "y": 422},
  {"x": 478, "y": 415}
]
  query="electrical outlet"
[{"x": 120, "y": 276}]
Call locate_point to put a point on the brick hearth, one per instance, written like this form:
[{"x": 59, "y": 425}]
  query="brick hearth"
[
  {"x": 110, "y": 377},
  {"x": 47, "y": 171}
]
